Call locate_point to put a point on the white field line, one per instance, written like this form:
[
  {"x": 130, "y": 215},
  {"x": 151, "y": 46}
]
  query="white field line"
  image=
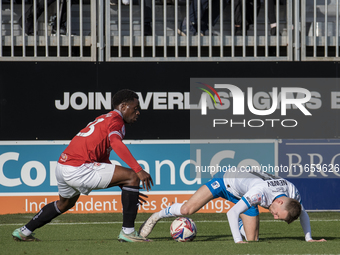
[{"x": 119, "y": 222}]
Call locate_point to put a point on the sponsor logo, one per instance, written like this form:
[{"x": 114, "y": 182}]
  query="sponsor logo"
[
  {"x": 63, "y": 157},
  {"x": 256, "y": 199},
  {"x": 215, "y": 185}
]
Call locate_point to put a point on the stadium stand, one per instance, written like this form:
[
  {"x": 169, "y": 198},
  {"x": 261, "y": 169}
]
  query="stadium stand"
[{"x": 107, "y": 30}]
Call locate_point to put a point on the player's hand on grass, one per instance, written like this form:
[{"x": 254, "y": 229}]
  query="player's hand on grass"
[
  {"x": 146, "y": 179},
  {"x": 321, "y": 240}
]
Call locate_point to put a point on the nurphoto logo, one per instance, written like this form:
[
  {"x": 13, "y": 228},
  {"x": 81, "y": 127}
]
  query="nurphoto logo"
[{"x": 282, "y": 100}]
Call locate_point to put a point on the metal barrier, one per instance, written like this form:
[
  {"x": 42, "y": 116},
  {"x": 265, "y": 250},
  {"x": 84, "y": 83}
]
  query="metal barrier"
[
  {"x": 320, "y": 30},
  {"x": 125, "y": 25},
  {"x": 27, "y": 37},
  {"x": 107, "y": 30}
]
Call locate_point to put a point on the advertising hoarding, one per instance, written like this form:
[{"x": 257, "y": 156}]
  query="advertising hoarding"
[
  {"x": 27, "y": 171},
  {"x": 314, "y": 167}
]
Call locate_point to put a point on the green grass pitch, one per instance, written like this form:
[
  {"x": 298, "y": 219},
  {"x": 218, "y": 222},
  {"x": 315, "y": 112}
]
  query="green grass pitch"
[{"x": 97, "y": 234}]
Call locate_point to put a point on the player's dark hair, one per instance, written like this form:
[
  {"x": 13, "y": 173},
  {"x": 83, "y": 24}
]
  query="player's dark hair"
[
  {"x": 294, "y": 210},
  {"x": 122, "y": 96}
]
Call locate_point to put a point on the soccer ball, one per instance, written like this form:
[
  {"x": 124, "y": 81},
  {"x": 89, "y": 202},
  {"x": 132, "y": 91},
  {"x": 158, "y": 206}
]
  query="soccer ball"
[{"x": 183, "y": 229}]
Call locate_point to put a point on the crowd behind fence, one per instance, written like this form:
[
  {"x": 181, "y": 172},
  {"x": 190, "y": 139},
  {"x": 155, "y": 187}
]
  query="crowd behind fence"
[{"x": 169, "y": 30}]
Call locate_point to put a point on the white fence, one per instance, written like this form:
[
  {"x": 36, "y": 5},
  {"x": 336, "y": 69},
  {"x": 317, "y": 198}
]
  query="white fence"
[{"x": 108, "y": 30}]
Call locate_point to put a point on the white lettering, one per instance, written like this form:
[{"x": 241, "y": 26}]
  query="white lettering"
[
  {"x": 238, "y": 97},
  {"x": 298, "y": 102},
  {"x": 289, "y": 120},
  {"x": 159, "y": 101},
  {"x": 218, "y": 157},
  {"x": 26, "y": 173},
  {"x": 196, "y": 163},
  {"x": 83, "y": 99},
  {"x": 261, "y": 123},
  {"x": 158, "y": 171},
  {"x": 144, "y": 104},
  {"x": 53, "y": 178},
  {"x": 91, "y": 101},
  {"x": 219, "y": 122},
  {"x": 333, "y": 164},
  {"x": 66, "y": 104},
  {"x": 294, "y": 166},
  {"x": 335, "y": 100},
  {"x": 7, "y": 182},
  {"x": 314, "y": 165},
  {"x": 101, "y": 100},
  {"x": 262, "y": 112},
  {"x": 175, "y": 98},
  {"x": 315, "y": 102}
]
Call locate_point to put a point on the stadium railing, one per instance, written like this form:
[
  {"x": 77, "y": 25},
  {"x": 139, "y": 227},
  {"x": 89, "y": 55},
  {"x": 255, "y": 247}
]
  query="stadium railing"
[
  {"x": 79, "y": 45},
  {"x": 107, "y": 30},
  {"x": 320, "y": 30},
  {"x": 125, "y": 25}
]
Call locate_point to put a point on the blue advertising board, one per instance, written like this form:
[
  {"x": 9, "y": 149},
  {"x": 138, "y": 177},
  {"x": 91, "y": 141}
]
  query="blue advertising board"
[
  {"x": 314, "y": 167},
  {"x": 28, "y": 167}
]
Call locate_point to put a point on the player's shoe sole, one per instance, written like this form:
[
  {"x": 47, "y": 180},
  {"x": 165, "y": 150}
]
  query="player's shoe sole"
[
  {"x": 148, "y": 225},
  {"x": 131, "y": 238},
  {"x": 18, "y": 236}
]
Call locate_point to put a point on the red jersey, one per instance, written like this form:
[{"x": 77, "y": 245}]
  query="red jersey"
[{"x": 95, "y": 142}]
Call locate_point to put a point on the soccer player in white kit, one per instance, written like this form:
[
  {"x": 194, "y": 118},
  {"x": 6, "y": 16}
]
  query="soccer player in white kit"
[
  {"x": 247, "y": 190},
  {"x": 85, "y": 166}
]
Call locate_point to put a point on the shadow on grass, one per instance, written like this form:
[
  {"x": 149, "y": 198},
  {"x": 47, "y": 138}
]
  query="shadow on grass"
[
  {"x": 197, "y": 239},
  {"x": 267, "y": 239}
]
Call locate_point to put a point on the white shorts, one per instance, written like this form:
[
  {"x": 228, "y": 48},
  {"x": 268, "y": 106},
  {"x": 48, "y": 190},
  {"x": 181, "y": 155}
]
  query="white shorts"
[{"x": 73, "y": 180}]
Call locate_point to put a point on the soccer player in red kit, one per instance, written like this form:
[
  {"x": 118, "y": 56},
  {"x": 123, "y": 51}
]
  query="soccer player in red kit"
[{"x": 85, "y": 166}]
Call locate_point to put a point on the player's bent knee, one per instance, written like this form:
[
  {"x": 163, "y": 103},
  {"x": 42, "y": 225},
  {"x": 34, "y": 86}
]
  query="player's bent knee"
[
  {"x": 133, "y": 179},
  {"x": 186, "y": 210}
]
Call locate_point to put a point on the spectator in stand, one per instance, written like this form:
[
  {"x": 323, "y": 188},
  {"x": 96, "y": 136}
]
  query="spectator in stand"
[
  {"x": 250, "y": 15},
  {"x": 204, "y": 17},
  {"x": 29, "y": 17},
  {"x": 272, "y": 16},
  {"x": 147, "y": 16}
]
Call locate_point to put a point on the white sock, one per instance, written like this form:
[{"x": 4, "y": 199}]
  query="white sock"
[
  {"x": 25, "y": 231},
  {"x": 128, "y": 230},
  {"x": 171, "y": 211},
  {"x": 241, "y": 228}
]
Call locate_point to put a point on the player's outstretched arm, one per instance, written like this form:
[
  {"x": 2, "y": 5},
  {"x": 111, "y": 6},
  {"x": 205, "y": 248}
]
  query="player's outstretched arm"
[
  {"x": 305, "y": 223},
  {"x": 123, "y": 152},
  {"x": 233, "y": 215}
]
